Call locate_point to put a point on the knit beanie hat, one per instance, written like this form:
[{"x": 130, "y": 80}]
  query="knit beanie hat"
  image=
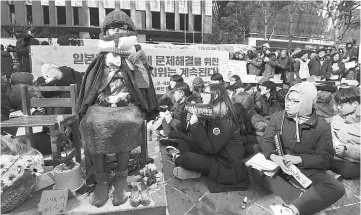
[
  {"x": 198, "y": 82},
  {"x": 118, "y": 17}
]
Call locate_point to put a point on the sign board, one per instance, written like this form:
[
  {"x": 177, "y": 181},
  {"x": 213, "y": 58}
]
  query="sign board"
[
  {"x": 53, "y": 202},
  {"x": 166, "y": 62},
  {"x": 232, "y": 67}
]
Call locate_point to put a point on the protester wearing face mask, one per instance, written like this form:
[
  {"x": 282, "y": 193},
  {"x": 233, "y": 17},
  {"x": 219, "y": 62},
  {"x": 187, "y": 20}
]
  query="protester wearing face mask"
[
  {"x": 320, "y": 65},
  {"x": 214, "y": 148},
  {"x": 168, "y": 98},
  {"x": 307, "y": 143},
  {"x": 346, "y": 133}
]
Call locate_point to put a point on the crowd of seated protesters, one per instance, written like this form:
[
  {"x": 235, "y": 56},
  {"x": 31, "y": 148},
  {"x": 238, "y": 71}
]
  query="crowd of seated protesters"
[{"x": 246, "y": 120}]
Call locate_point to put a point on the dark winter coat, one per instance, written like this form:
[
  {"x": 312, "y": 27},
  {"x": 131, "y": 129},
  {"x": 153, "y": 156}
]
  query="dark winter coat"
[
  {"x": 317, "y": 69},
  {"x": 255, "y": 66},
  {"x": 6, "y": 63},
  {"x": 222, "y": 141},
  {"x": 270, "y": 68},
  {"x": 315, "y": 147}
]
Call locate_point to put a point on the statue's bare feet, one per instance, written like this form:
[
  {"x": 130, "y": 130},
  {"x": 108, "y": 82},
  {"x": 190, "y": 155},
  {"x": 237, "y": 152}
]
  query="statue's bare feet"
[
  {"x": 120, "y": 188},
  {"x": 101, "y": 192}
]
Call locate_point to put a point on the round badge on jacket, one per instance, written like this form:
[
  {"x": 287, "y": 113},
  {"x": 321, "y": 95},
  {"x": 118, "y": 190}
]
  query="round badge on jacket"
[{"x": 216, "y": 131}]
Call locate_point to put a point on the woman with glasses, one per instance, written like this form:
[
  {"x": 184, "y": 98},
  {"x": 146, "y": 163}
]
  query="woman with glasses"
[
  {"x": 214, "y": 148},
  {"x": 306, "y": 141},
  {"x": 346, "y": 133}
]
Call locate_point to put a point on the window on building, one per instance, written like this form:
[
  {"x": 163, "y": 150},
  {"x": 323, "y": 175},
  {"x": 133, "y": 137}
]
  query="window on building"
[
  {"x": 12, "y": 13},
  {"x": 61, "y": 15},
  {"x": 197, "y": 22},
  {"x": 170, "y": 23},
  {"x": 108, "y": 10},
  {"x": 94, "y": 16},
  {"x": 156, "y": 20},
  {"x": 46, "y": 15},
  {"x": 127, "y": 12},
  {"x": 183, "y": 22},
  {"x": 76, "y": 15},
  {"x": 29, "y": 14},
  {"x": 143, "y": 18}
]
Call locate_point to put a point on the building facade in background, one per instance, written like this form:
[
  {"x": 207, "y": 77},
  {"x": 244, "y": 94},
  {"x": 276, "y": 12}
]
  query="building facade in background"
[{"x": 176, "y": 21}]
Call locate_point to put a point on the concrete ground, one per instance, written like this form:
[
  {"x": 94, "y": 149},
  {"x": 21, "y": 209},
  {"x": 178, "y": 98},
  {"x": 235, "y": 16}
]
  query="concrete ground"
[{"x": 192, "y": 197}]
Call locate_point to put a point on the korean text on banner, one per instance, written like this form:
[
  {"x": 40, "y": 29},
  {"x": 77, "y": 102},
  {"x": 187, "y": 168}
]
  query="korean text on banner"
[
  {"x": 76, "y": 57},
  {"x": 188, "y": 63},
  {"x": 166, "y": 62}
]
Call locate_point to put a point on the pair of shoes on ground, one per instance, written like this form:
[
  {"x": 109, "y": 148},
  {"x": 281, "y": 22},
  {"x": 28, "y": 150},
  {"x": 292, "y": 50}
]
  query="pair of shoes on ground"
[
  {"x": 180, "y": 172},
  {"x": 140, "y": 195},
  {"x": 284, "y": 209}
]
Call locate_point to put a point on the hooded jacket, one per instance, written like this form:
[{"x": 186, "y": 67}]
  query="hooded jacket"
[
  {"x": 317, "y": 69},
  {"x": 311, "y": 140}
]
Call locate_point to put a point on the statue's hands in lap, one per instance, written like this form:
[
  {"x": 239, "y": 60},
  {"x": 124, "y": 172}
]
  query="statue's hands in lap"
[{"x": 120, "y": 99}]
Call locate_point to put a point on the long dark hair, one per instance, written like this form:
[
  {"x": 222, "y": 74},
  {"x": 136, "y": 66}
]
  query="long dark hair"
[{"x": 219, "y": 96}]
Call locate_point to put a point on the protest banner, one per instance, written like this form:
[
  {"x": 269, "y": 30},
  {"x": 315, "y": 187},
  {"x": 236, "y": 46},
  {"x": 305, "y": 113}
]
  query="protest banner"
[
  {"x": 166, "y": 62},
  {"x": 188, "y": 63}
]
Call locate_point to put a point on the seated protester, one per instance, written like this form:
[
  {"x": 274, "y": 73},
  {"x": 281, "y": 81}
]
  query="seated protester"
[
  {"x": 248, "y": 88},
  {"x": 265, "y": 98},
  {"x": 255, "y": 124},
  {"x": 233, "y": 79},
  {"x": 279, "y": 102},
  {"x": 324, "y": 105},
  {"x": 217, "y": 78},
  {"x": 346, "y": 135},
  {"x": 198, "y": 87},
  {"x": 215, "y": 148},
  {"x": 168, "y": 98},
  {"x": 177, "y": 121},
  {"x": 234, "y": 89},
  {"x": 307, "y": 143}
]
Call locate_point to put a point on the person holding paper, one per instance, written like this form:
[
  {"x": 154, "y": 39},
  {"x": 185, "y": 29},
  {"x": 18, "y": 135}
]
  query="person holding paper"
[
  {"x": 338, "y": 67},
  {"x": 346, "y": 133},
  {"x": 215, "y": 148},
  {"x": 306, "y": 141}
]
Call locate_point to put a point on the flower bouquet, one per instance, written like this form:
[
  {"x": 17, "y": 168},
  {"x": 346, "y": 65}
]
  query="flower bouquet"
[{"x": 19, "y": 165}]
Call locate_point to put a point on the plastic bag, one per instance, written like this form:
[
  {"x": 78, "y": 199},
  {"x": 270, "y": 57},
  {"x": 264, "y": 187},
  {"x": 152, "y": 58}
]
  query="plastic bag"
[{"x": 15, "y": 159}]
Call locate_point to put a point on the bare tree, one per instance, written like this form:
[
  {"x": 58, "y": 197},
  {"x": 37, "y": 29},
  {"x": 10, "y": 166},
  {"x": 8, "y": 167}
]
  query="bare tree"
[{"x": 342, "y": 14}]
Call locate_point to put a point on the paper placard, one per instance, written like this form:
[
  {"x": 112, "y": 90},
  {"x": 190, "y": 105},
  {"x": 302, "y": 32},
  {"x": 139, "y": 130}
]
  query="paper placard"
[{"x": 53, "y": 202}]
